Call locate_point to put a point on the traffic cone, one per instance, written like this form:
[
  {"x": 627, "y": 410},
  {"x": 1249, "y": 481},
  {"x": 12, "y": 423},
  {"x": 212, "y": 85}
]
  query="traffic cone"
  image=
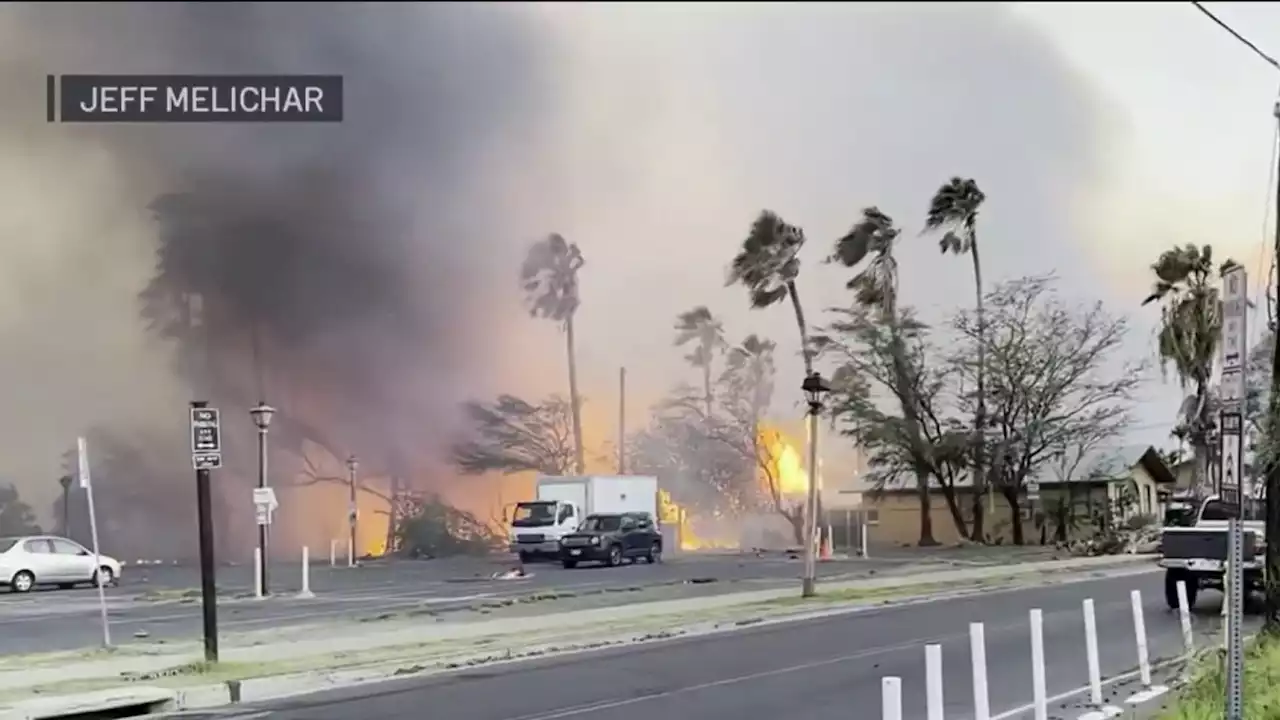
[{"x": 827, "y": 549}]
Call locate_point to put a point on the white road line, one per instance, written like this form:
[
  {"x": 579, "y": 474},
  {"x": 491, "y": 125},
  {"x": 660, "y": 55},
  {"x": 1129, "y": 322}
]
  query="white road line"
[
  {"x": 1029, "y": 707},
  {"x": 1147, "y": 695},
  {"x": 1105, "y": 713}
]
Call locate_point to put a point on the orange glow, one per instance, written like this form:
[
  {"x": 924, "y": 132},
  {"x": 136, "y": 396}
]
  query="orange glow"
[{"x": 786, "y": 465}]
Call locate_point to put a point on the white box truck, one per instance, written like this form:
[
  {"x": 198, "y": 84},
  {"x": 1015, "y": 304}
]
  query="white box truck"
[{"x": 562, "y": 502}]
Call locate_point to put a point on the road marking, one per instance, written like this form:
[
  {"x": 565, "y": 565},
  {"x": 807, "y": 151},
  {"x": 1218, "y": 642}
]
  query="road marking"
[
  {"x": 1029, "y": 707},
  {"x": 1105, "y": 713}
]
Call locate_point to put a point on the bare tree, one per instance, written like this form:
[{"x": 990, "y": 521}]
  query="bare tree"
[
  {"x": 875, "y": 360},
  {"x": 511, "y": 435},
  {"x": 1053, "y": 379}
]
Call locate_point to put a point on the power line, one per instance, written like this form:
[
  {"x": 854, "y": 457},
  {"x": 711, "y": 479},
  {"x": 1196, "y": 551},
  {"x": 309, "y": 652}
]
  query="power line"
[{"x": 1256, "y": 50}]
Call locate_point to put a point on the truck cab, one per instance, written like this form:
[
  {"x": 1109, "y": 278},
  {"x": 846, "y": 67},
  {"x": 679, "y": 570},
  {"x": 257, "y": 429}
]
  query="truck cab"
[{"x": 538, "y": 525}]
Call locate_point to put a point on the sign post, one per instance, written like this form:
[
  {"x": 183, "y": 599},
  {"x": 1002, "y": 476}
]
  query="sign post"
[
  {"x": 86, "y": 483},
  {"x": 1234, "y": 356},
  {"x": 206, "y": 455}
]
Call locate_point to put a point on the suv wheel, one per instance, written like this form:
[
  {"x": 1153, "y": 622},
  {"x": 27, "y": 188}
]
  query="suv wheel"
[
  {"x": 655, "y": 553},
  {"x": 615, "y": 556}
]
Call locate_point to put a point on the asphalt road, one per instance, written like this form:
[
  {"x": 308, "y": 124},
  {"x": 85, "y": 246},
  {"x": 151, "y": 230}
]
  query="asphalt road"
[
  {"x": 828, "y": 669},
  {"x": 162, "y": 603}
]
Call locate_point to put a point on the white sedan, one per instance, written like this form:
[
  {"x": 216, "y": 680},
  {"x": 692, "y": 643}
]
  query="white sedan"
[{"x": 26, "y": 562}]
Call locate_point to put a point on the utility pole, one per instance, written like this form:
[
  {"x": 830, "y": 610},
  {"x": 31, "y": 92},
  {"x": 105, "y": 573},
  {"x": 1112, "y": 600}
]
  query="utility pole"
[
  {"x": 1272, "y": 581},
  {"x": 622, "y": 421}
]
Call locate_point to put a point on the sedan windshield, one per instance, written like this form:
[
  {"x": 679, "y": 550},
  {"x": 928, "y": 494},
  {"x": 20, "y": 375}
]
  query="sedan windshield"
[{"x": 6, "y": 543}]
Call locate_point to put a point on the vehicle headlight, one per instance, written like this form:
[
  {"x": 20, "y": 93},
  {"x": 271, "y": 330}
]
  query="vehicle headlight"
[{"x": 595, "y": 541}]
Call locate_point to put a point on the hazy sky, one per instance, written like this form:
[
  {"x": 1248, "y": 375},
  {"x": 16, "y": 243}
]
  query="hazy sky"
[{"x": 1101, "y": 133}]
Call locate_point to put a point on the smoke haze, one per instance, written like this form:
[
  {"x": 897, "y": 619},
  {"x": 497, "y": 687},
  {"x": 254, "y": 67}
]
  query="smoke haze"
[{"x": 382, "y": 253}]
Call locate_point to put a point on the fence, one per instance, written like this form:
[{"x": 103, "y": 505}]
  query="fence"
[{"x": 891, "y": 687}]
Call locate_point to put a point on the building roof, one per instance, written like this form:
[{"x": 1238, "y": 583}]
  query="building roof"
[{"x": 1102, "y": 465}]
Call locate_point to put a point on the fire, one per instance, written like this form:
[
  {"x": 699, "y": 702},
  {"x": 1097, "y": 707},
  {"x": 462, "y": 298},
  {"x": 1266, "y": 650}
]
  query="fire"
[
  {"x": 787, "y": 469},
  {"x": 670, "y": 513}
]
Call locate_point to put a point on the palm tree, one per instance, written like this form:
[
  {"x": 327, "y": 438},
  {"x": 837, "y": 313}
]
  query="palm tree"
[
  {"x": 767, "y": 265},
  {"x": 876, "y": 286},
  {"x": 954, "y": 209},
  {"x": 1190, "y": 328},
  {"x": 701, "y": 326},
  {"x": 549, "y": 277}
]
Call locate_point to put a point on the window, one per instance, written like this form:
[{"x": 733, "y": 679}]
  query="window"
[
  {"x": 66, "y": 547},
  {"x": 629, "y": 523},
  {"x": 6, "y": 543},
  {"x": 873, "y": 516},
  {"x": 38, "y": 547},
  {"x": 566, "y": 512},
  {"x": 601, "y": 523}
]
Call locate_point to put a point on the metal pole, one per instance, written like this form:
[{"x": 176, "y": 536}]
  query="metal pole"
[
  {"x": 808, "y": 587},
  {"x": 622, "y": 421},
  {"x": 1235, "y": 618},
  {"x": 1271, "y": 574},
  {"x": 352, "y": 513},
  {"x": 208, "y": 580},
  {"x": 262, "y": 526}
]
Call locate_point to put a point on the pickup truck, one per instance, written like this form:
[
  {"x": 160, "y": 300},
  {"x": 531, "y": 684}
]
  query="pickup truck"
[{"x": 1197, "y": 554}]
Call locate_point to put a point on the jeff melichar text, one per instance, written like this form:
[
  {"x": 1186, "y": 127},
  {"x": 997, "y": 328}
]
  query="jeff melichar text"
[{"x": 200, "y": 98}]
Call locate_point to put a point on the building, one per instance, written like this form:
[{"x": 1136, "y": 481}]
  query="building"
[{"x": 1106, "y": 486}]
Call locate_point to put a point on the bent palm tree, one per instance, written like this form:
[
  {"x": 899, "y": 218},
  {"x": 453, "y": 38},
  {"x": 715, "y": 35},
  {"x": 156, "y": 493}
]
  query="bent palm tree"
[
  {"x": 1190, "y": 327},
  {"x": 701, "y": 326},
  {"x": 549, "y": 277},
  {"x": 876, "y": 286},
  {"x": 954, "y": 209}
]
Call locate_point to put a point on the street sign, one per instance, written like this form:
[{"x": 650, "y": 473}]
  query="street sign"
[
  {"x": 1033, "y": 490},
  {"x": 1232, "y": 390},
  {"x": 82, "y": 462},
  {"x": 1232, "y": 463},
  {"x": 206, "y": 461},
  {"x": 206, "y": 431},
  {"x": 1235, "y": 291},
  {"x": 264, "y": 503}
]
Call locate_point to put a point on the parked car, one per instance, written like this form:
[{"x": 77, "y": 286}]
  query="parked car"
[
  {"x": 29, "y": 561},
  {"x": 610, "y": 538}
]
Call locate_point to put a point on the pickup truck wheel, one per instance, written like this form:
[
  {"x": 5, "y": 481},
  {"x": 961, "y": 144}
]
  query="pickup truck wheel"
[
  {"x": 525, "y": 557},
  {"x": 569, "y": 564},
  {"x": 615, "y": 556},
  {"x": 1171, "y": 579}
]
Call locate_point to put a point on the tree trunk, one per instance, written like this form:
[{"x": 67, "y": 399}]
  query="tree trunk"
[
  {"x": 1015, "y": 512},
  {"x": 706, "y": 383},
  {"x": 979, "y": 420},
  {"x": 953, "y": 505},
  {"x": 926, "y": 511},
  {"x": 575, "y": 401}
]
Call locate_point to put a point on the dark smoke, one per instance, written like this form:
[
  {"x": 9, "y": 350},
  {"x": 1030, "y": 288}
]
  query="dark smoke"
[
  {"x": 357, "y": 253},
  {"x": 348, "y": 272}
]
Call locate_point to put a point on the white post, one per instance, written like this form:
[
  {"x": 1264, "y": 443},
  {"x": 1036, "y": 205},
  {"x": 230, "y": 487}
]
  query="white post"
[
  {"x": 351, "y": 554},
  {"x": 257, "y": 573},
  {"x": 1184, "y": 615},
  {"x": 863, "y": 532},
  {"x": 933, "y": 680},
  {"x": 1040, "y": 695},
  {"x": 978, "y": 654},
  {"x": 333, "y": 553},
  {"x": 891, "y": 698},
  {"x": 1091, "y": 651},
  {"x": 82, "y": 452},
  {"x": 306, "y": 574},
  {"x": 1140, "y": 633}
]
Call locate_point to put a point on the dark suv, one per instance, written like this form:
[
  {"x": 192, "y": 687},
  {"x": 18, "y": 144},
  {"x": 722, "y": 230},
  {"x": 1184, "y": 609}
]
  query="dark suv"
[{"x": 610, "y": 537}]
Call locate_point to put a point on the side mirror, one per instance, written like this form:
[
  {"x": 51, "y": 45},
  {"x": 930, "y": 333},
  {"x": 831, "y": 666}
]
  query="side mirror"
[{"x": 83, "y": 553}]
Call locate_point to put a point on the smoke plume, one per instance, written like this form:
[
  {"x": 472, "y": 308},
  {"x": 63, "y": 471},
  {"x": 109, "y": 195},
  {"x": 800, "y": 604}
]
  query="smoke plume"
[{"x": 345, "y": 271}]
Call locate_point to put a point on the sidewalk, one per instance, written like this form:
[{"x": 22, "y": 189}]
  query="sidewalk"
[{"x": 430, "y": 642}]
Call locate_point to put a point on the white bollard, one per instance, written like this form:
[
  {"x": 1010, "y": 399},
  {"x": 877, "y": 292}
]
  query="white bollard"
[
  {"x": 863, "y": 533},
  {"x": 1184, "y": 615},
  {"x": 351, "y": 554},
  {"x": 257, "y": 573},
  {"x": 333, "y": 553},
  {"x": 933, "y": 680},
  {"x": 306, "y": 574},
  {"x": 1091, "y": 653},
  {"x": 1140, "y": 633},
  {"x": 1226, "y": 605},
  {"x": 978, "y": 653},
  {"x": 891, "y": 698},
  {"x": 1040, "y": 695}
]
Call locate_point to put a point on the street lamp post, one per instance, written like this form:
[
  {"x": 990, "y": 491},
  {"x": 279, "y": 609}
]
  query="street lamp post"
[
  {"x": 65, "y": 482},
  {"x": 815, "y": 392},
  {"x": 352, "y": 510},
  {"x": 262, "y": 419}
]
